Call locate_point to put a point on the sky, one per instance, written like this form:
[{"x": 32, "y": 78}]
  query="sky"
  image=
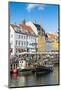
[{"x": 44, "y": 14}]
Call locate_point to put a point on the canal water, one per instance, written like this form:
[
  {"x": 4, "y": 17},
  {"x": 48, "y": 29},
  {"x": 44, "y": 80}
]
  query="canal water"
[{"x": 34, "y": 80}]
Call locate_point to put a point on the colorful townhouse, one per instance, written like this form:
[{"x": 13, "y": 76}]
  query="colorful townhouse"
[
  {"x": 54, "y": 43},
  {"x": 21, "y": 39},
  {"x": 40, "y": 33}
]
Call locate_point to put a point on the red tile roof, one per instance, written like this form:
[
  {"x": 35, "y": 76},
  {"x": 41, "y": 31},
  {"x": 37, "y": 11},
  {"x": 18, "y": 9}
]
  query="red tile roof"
[
  {"x": 25, "y": 27},
  {"x": 52, "y": 36}
]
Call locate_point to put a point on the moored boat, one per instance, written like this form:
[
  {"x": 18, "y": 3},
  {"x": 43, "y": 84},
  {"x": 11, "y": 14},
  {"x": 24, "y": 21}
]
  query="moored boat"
[
  {"x": 24, "y": 69},
  {"x": 46, "y": 67}
]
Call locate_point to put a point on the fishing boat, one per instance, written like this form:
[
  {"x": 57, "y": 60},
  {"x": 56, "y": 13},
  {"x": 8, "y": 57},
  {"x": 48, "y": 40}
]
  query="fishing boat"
[{"x": 24, "y": 69}]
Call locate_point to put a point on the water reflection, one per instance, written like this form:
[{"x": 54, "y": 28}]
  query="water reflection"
[{"x": 33, "y": 79}]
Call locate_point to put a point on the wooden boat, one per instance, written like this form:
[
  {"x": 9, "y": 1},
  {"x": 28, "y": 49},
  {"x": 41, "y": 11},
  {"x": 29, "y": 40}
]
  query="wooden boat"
[{"x": 43, "y": 68}]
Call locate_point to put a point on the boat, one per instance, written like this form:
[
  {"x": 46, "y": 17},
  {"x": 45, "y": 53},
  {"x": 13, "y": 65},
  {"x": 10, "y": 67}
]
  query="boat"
[
  {"x": 43, "y": 69},
  {"x": 46, "y": 67},
  {"x": 24, "y": 69}
]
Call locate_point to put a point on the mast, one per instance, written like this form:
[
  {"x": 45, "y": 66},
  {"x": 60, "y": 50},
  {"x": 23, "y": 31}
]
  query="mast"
[{"x": 41, "y": 26}]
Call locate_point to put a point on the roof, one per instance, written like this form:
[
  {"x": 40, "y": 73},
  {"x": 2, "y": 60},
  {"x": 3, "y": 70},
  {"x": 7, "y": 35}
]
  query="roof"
[
  {"x": 14, "y": 26},
  {"x": 25, "y": 29},
  {"x": 39, "y": 27},
  {"x": 52, "y": 36}
]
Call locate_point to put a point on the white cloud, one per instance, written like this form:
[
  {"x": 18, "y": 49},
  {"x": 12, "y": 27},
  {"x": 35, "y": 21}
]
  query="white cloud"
[
  {"x": 41, "y": 7},
  {"x": 32, "y": 6}
]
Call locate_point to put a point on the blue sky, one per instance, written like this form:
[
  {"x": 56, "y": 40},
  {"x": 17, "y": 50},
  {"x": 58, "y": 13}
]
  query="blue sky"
[{"x": 46, "y": 15}]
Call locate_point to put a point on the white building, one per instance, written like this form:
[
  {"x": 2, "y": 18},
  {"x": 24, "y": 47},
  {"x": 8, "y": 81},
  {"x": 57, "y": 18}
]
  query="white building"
[{"x": 21, "y": 39}]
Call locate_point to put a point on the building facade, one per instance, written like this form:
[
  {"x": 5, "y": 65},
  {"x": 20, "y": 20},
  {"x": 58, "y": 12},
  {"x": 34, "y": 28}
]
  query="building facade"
[
  {"x": 39, "y": 31},
  {"x": 21, "y": 39},
  {"x": 48, "y": 46},
  {"x": 54, "y": 43}
]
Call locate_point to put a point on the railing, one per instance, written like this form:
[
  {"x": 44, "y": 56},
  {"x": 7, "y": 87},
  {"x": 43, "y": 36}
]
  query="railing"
[{"x": 30, "y": 52}]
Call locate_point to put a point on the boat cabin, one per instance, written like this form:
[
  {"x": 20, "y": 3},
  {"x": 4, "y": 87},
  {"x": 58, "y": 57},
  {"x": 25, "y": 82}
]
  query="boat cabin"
[{"x": 22, "y": 64}]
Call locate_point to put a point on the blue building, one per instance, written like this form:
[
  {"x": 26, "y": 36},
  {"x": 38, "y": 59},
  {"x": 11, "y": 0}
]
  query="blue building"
[{"x": 48, "y": 46}]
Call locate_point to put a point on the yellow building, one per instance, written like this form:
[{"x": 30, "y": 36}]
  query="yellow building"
[
  {"x": 40, "y": 38},
  {"x": 41, "y": 43},
  {"x": 54, "y": 43}
]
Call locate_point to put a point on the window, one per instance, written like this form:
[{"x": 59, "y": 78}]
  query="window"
[
  {"x": 19, "y": 36},
  {"x": 19, "y": 43},
  {"x": 17, "y": 29},
  {"x": 27, "y": 43},
  {"x": 16, "y": 42},
  {"x": 22, "y": 36},
  {"x": 22, "y": 61},
  {"x": 24, "y": 43}
]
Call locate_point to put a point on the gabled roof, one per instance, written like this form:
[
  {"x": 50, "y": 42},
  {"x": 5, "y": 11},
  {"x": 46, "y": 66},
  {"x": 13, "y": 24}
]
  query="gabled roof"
[
  {"x": 23, "y": 29},
  {"x": 39, "y": 27},
  {"x": 14, "y": 26}
]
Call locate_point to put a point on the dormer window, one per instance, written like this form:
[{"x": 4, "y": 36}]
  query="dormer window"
[{"x": 17, "y": 29}]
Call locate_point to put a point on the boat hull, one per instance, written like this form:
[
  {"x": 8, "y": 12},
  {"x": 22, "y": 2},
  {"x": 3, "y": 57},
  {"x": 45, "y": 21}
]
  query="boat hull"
[
  {"x": 24, "y": 71},
  {"x": 42, "y": 70}
]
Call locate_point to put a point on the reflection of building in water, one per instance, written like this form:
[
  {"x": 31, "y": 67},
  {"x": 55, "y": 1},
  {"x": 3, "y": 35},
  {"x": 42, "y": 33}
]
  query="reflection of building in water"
[{"x": 21, "y": 81}]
